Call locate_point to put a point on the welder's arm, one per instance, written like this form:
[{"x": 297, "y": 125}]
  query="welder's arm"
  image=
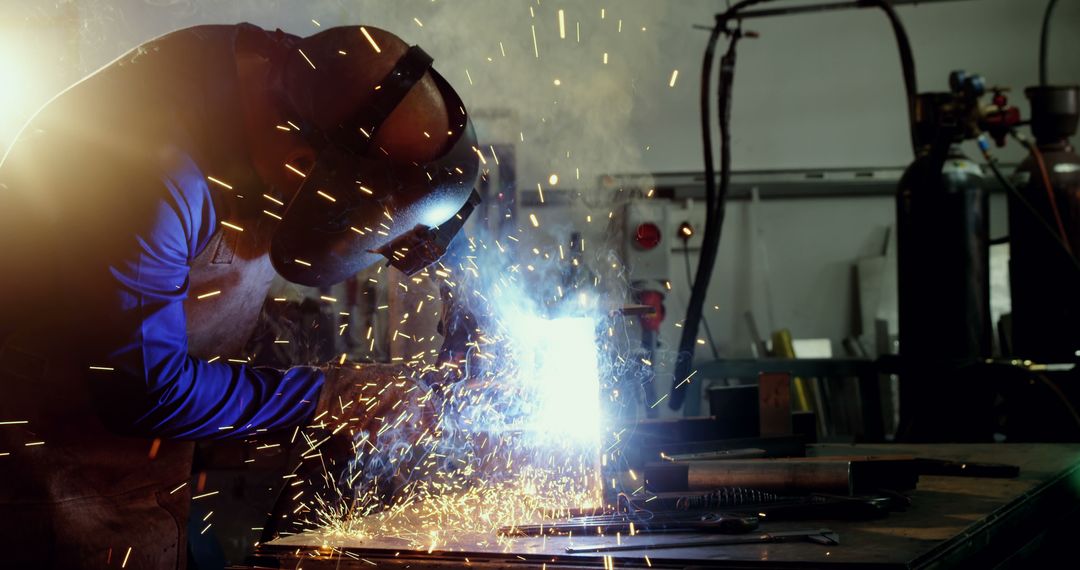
[{"x": 161, "y": 389}]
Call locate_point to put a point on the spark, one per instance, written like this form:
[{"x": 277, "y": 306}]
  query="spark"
[
  {"x": 219, "y": 183},
  {"x": 210, "y": 294},
  {"x": 553, "y": 179},
  {"x": 105, "y": 368},
  {"x": 536, "y": 48},
  {"x": 204, "y": 495},
  {"x": 273, "y": 199},
  {"x": 302, "y": 262},
  {"x": 325, "y": 195},
  {"x": 326, "y": 298},
  {"x": 272, "y": 215},
  {"x": 605, "y": 58},
  {"x": 306, "y": 58},
  {"x": 316, "y": 22},
  {"x": 557, "y": 82},
  {"x": 468, "y": 76},
  {"x": 535, "y": 222},
  {"x": 126, "y": 555},
  {"x": 502, "y": 50},
  {"x": 562, "y": 25},
  {"x": 418, "y": 22},
  {"x": 539, "y": 189},
  {"x": 674, "y": 76},
  {"x": 15, "y": 422},
  {"x": 370, "y": 39},
  {"x": 232, "y": 226},
  {"x": 294, "y": 169},
  {"x": 34, "y": 443}
]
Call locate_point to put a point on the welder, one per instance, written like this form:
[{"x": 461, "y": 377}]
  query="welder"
[{"x": 144, "y": 213}]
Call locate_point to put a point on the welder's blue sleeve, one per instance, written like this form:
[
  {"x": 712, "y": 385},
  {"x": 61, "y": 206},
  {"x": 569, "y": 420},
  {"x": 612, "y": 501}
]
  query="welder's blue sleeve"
[{"x": 186, "y": 397}]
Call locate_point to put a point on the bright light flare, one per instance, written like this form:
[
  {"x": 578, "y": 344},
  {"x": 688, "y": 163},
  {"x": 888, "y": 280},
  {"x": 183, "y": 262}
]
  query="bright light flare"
[{"x": 558, "y": 362}]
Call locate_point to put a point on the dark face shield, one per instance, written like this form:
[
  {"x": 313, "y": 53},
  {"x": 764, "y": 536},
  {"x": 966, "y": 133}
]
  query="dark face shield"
[{"x": 355, "y": 208}]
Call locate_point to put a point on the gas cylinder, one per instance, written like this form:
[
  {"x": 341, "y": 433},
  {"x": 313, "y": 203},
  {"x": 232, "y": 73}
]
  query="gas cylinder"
[
  {"x": 942, "y": 243},
  {"x": 1044, "y": 281}
]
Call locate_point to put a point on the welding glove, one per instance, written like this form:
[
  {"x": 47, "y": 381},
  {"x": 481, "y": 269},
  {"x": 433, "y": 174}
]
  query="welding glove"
[{"x": 360, "y": 396}]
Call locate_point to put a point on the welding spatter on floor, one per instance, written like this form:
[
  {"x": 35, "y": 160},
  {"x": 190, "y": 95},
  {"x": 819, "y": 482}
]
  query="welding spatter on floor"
[{"x": 821, "y": 536}]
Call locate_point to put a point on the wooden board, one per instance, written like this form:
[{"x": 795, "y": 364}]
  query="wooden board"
[{"x": 951, "y": 519}]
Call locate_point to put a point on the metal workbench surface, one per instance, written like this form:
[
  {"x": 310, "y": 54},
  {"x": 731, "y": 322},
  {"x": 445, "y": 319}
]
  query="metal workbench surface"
[{"x": 951, "y": 521}]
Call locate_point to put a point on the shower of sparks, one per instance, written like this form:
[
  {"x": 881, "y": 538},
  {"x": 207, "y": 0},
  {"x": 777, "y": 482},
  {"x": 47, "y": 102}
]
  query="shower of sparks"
[
  {"x": 523, "y": 438},
  {"x": 674, "y": 76},
  {"x": 370, "y": 39}
]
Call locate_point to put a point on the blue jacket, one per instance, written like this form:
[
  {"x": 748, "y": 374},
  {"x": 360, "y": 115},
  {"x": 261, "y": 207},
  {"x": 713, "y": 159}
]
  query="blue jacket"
[{"x": 104, "y": 206}]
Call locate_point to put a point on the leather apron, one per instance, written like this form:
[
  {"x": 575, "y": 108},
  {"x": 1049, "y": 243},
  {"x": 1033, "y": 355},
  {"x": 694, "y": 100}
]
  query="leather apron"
[{"x": 72, "y": 493}]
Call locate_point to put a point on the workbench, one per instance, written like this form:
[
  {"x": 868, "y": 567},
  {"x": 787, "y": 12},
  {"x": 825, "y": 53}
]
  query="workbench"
[{"x": 952, "y": 521}]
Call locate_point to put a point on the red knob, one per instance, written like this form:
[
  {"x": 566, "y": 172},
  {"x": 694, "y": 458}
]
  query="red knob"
[{"x": 647, "y": 235}]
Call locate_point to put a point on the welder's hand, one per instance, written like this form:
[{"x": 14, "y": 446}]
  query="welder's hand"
[
  {"x": 362, "y": 396},
  {"x": 461, "y": 330}
]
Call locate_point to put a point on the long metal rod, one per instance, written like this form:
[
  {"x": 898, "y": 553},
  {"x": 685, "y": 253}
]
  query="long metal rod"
[
  {"x": 824, "y": 7},
  {"x": 829, "y": 7},
  {"x": 820, "y": 535}
]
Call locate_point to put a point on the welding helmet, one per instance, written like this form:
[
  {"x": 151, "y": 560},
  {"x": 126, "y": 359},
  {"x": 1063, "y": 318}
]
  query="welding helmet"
[{"x": 356, "y": 205}]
